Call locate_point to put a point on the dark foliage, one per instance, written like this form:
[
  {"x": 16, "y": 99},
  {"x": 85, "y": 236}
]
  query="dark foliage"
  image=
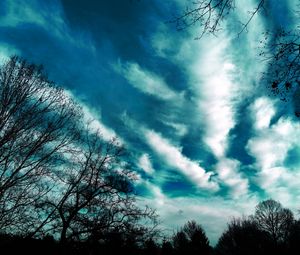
[
  {"x": 271, "y": 230},
  {"x": 243, "y": 237},
  {"x": 191, "y": 239}
]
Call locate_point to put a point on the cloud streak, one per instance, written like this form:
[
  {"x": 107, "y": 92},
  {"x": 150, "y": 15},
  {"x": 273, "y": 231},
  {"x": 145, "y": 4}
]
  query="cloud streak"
[
  {"x": 145, "y": 163},
  {"x": 173, "y": 156},
  {"x": 145, "y": 81}
]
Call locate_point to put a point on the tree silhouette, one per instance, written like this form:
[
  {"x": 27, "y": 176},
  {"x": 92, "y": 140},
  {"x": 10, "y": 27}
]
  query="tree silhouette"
[
  {"x": 94, "y": 194},
  {"x": 180, "y": 242},
  {"x": 293, "y": 240},
  {"x": 151, "y": 247},
  {"x": 243, "y": 236},
  {"x": 36, "y": 127},
  {"x": 272, "y": 218},
  {"x": 192, "y": 239},
  {"x": 167, "y": 248}
]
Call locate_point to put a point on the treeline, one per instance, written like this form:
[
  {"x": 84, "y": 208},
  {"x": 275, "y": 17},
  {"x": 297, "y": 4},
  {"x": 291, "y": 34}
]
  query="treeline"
[
  {"x": 272, "y": 229},
  {"x": 66, "y": 190}
]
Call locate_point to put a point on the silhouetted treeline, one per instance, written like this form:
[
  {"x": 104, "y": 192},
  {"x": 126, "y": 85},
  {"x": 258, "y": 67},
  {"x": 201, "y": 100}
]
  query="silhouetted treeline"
[
  {"x": 271, "y": 230},
  {"x": 64, "y": 189}
]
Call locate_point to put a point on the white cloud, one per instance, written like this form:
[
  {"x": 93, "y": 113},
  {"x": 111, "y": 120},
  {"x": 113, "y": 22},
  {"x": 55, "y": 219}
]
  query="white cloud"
[
  {"x": 228, "y": 172},
  {"x": 216, "y": 99},
  {"x": 92, "y": 117},
  {"x": 270, "y": 146},
  {"x": 174, "y": 158},
  {"x": 6, "y": 51},
  {"x": 282, "y": 184},
  {"x": 162, "y": 43},
  {"x": 180, "y": 129},
  {"x": 145, "y": 163},
  {"x": 145, "y": 81},
  {"x": 263, "y": 111},
  {"x": 215, "y": 83}
]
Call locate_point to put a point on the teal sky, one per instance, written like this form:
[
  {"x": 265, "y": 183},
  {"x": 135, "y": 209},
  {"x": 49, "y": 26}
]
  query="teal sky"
[{"x": 207, "y": 141}]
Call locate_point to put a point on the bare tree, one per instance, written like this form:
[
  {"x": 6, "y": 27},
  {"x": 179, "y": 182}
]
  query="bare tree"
[
  {"x": 57, "y": 175},
  {"x": 272, "y": 218},
  {"x": 36, "y": 126},
  {"x": 94, "y": 194},
  {"x": 209, "y": 14},
  {"x": 281, "y": 50}
]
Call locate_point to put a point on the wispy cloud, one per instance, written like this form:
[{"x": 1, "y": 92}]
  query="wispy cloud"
[
  {"x": 6, "y": 51},
  {"x": 145, "y": 81},
  {"x": 92, "y": 118},
  {"x": 173, "y": 156},
  {"x": 145, "y": 163},
  {"x": 28, "y": 13},
  {"x": 179, "y": 128}
]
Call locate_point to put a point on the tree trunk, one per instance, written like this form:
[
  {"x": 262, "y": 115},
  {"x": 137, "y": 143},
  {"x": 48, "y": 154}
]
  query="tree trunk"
[{"x": 63, "y": 240}]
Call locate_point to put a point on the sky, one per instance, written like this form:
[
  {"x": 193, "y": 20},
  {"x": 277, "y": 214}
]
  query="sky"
[{"x": 206, "y": 139}]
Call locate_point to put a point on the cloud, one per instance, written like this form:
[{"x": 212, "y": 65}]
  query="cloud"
[
  {"x": 173, "y": 156},
  {"x": 145, "y": 163},
  {"x": 180, "y": 129},
  {"x": 263, "y": 111},
  {"x": 145, "y": 81},
  {"x": 228, "y": 172},
  {"x": 33, "y": 13},
  {"x": 16, "y": 15},
  {"x": 92, "y": 117},
  {"x": 6, "y": 51},
  {"x": 216, "y": 99},
  {"x": 270, "y": 146},
  {"x": 214, "y": 82},
  {"x": 271, "y": 143}
]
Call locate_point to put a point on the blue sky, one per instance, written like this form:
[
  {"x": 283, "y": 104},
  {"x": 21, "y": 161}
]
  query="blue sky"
[{"x": 207, "y": 141}]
